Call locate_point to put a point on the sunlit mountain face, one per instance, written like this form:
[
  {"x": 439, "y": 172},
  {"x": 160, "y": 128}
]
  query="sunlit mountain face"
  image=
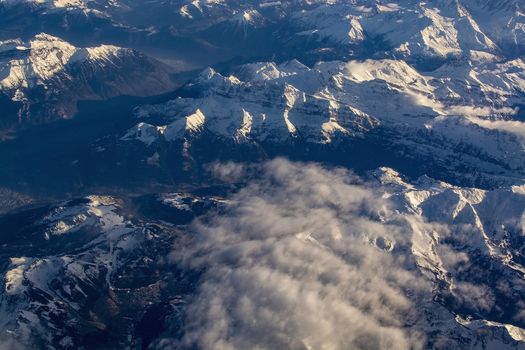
[{"x": 224, "y": 174}]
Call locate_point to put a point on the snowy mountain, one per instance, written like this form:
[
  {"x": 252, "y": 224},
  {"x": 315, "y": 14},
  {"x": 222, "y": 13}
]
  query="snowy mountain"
[
  {"x": 45, "y": 77},
  {"x": 395, "y": 220},
  {"x": 461, "y": 115},
  {"x": 75, "y": 271},
  {"x": 82, "y": 265},
  {"x": 424, "y": 33},
  {"x": 483, "y": 228}
]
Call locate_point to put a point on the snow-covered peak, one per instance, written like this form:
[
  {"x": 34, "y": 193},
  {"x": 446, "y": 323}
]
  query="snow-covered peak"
[
  {"x": 262, "y": 71},
  {"x": 438, "y": 29},
  {"x": 46, "y": 76},
  {"x": 72, "y": 4},
  {"x": 48, "y": 55},
  {"x": 458, "y": 106},
  {"x": 248, "y": 18},
  {"x": 395, "y": 72},
  {"x": 44, "y": 56},
  {"x": 83, "y": 6},
  {"x": 338, "y": 23},
  {"x": 214, "y": 81}
]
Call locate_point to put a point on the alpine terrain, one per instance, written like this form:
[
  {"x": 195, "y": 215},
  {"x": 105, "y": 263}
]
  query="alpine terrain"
[{"x": 226, "y": 174}]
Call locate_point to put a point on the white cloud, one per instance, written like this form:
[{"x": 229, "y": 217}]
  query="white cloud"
[
  {"x": 479, "y": 297},
  {"x": 472, "y": 111},
  {"x": 229, "y": 172},
  {"x": 510, "y": 126},
  {"x": 305, "y": 258}
]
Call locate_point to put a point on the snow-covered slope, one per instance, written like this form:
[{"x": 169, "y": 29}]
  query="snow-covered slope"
[
  {"x": 51, "y": 285},
  {"x": 504, "y": 21},
  {"x": 412, "y": 29},
  {"x": 76, "y": 270},
  {"x": 460, "y": 115},
  {"x": 46, "y": 76},
  {"x": 82, "y": 5},
  {"x": 104, "y": 272},
  {"x": 472, "y": 247},
  {"x": 409, "y": 28}
]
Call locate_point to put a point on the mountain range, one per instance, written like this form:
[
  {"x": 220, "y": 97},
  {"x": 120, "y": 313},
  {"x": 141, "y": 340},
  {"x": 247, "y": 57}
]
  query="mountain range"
[{"x": 224, "y": 174}]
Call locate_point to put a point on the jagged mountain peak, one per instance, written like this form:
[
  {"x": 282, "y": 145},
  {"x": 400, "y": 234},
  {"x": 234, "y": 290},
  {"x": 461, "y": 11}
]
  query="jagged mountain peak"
[
  {"x": 47, "y": 69},
  {"x": 341, "y": 102},
  {"x": 44, "y": 56}
]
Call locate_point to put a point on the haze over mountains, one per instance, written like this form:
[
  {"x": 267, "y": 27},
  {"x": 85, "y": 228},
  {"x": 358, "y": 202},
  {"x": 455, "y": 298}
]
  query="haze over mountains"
[{"x": 262, "y": 174}]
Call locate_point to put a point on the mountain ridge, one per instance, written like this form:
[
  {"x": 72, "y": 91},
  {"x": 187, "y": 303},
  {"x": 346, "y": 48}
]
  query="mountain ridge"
[{"x": 47, "y": 76}]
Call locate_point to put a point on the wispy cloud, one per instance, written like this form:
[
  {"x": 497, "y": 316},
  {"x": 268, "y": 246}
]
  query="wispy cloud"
[
  {"x": 513, "y": 127},
  {"x": 304, "y": 258}
]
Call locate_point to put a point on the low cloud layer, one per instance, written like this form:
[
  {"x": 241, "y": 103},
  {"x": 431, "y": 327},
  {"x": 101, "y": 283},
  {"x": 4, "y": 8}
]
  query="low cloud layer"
[
  {"x": 510, "y": 126},
  {"x": 304, "y": 258}
]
